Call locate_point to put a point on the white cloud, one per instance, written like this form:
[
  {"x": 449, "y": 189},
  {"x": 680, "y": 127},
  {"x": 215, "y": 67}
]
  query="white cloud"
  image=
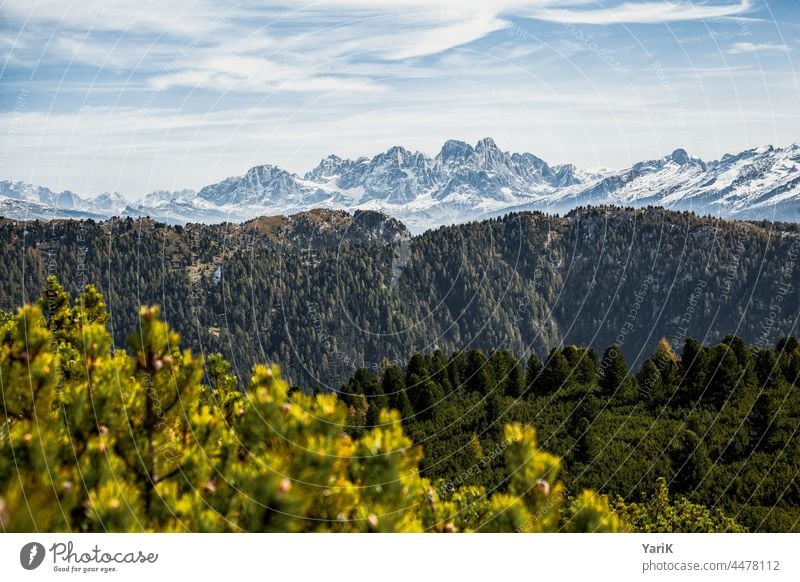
[
  {"x": 757, "y": 47},
  {"x": 180, "y": 17},
  {"x": 435, "y": 39},
  {"x": 639, "y": 12}
]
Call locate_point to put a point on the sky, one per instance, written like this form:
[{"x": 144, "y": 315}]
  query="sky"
[{"x": 135, "y": 96}]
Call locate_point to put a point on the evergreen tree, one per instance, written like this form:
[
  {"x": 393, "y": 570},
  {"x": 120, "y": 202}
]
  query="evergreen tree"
[
  {"x": 393, "y": 384},
  {"x": 651, "y": 386},
  {"x": 476, "y": 373},
  {"x": 555, "y": 376},
  {"x": 418, "y": 367},
  {"x": 691, "y": 463},
  {"x": 532, "y": 373},
  {"x": 514, "y": 384},
  {"x": 724, "y": 375},
  {"x": 456, "y": 368},
  {"x": 615, "y": 379},
  {"x": 693, "y": 369}
]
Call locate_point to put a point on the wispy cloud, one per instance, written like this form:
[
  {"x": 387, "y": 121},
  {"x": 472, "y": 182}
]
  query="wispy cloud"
[
  {"x": 757, "y": 47},
  {"x": 639, "y": 12}
]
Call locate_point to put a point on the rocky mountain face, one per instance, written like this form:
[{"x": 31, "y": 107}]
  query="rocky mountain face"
[{"x": 461, "y": 183}]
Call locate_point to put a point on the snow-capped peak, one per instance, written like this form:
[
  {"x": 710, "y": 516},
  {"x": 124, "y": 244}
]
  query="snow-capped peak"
[{"x": 461, "y": 182}]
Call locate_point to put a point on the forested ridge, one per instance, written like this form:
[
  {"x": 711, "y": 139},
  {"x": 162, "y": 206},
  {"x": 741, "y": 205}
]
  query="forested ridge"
[{"x": 323, "y": 293}]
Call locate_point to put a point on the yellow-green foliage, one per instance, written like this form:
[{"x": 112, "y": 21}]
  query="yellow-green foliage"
[
  {"x": 591, "y": 512},
  {"x": 657, "y": 514},
  {"x": 96, "y": 439}
]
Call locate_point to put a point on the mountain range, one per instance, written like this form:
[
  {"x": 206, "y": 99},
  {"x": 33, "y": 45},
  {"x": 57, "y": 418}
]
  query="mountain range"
[{"x": 461, "y": 183}]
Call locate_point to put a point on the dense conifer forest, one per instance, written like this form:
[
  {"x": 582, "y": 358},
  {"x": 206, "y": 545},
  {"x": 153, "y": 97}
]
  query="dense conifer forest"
[
  {"x": 717, "y": 425},
  {"x": 325, "y": 293}
]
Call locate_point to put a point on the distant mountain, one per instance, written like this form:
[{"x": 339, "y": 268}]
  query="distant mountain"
[
  {"x": 461, "y": 183},
  {"x": 24, "y": 201}
]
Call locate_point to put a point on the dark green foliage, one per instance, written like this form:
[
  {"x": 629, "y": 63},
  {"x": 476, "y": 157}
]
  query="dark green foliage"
[
  {"x": 476, "y": 373},
  {"x": 651, "y": 386},
  {"x": 620, "y": 441},
  {"x": 556, "y": 375},
  {"x": 583, "y": 363},
  {"x": 323, "y": 293},
  {"x": 615, "y": 379},
  {"x": 532, "y": 372},
  {"x": 693, "y": 369},
  {"x": 392, "y": 384}
]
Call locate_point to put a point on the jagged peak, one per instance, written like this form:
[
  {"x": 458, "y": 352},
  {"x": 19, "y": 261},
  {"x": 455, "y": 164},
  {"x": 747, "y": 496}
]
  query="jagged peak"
[
  {"x": 396, "y": 151},
  {"x": 680, "y": 156},
  {"x": 486, "y": 143},
  {"x": 453, "y": 150},
  {"x": 326, "y": 167},
  {"x": 455, "y": 145},
  {"x": 265, "y": 168}
]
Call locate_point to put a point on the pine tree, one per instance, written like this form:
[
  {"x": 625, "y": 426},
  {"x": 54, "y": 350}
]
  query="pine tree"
[
  {"x": 393, "y": 384},
  {"x": 693, "y": 368},
  {"x": 476, "y": 373},
  {"x": 555, "y": 376},
  {"x": 514, "y": 384},
  {"x": 724, "y": 375},
  {"x": 615, "y": 379},
  {"x": 532, "y": 373}
]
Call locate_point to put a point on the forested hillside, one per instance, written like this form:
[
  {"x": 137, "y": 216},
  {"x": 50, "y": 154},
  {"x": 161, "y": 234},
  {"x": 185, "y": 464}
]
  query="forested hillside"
[
  {"x": 718, "y": 424},
  {"x": 324, "y": 293}
]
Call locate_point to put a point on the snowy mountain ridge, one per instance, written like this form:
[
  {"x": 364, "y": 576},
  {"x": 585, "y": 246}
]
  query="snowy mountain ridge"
[{"x": 461, "y": 183}]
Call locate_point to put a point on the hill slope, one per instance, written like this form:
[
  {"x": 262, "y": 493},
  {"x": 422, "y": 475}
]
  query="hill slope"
[{"x": 324, "y": 292}]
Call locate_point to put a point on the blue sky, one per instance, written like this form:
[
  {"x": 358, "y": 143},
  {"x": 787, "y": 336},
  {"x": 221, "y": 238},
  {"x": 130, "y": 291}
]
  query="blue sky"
[{"x": 133, "y": 96}]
